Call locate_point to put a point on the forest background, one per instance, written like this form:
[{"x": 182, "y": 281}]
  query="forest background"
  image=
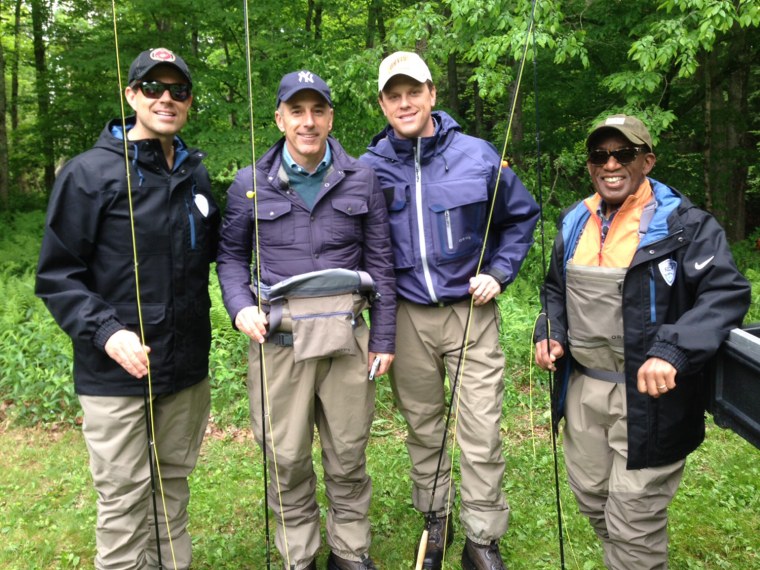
[{"x": 689, "y": 68}]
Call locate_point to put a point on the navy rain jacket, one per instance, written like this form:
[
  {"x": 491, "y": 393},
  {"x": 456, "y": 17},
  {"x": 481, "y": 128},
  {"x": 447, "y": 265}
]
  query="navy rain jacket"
[{"x": 86, "y": 273}]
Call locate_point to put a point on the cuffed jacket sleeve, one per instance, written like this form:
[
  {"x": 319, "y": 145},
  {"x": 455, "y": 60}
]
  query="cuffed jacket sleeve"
[
  {"x": 378, "y": 262},
  {"x": 515, "y": 216},
  {"x": 713, "y": 299},
  {"x": 64, "y": 278},
  {"x": 233, "y": 263}
]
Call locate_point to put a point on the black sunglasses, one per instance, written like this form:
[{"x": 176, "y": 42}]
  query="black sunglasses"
[
  {"x": 599, "y": 157},
  {"x": 155, "y": 90}
]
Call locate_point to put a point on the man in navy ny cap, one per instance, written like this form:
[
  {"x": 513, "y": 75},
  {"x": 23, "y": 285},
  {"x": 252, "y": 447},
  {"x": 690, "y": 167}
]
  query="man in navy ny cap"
[{"x": 319, "y": 209}]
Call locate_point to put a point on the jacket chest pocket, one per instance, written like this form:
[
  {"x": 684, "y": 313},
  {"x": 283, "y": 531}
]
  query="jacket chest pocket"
[
  {"x": 400, "y": 218},
  {"x": 202, "y": 217},
  {"x": 458, "y": 213},
  {"x": 347, "y": 215},
  {"x": 276, "y": 223}
]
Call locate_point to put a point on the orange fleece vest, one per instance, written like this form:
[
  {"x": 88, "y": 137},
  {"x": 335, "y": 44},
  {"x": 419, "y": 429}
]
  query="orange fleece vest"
[{"x": 623, "y": 234}]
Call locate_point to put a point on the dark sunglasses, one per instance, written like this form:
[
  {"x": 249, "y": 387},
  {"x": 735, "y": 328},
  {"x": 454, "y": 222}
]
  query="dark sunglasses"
[
  {"x": 599, "y": 157},
  {"x": 155, "y": 90}
]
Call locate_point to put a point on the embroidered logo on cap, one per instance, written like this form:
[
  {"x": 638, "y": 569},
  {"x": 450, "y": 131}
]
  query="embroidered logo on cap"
[
  {"x": 305, "y": 77},
  {"x": 162, "y": 54}
]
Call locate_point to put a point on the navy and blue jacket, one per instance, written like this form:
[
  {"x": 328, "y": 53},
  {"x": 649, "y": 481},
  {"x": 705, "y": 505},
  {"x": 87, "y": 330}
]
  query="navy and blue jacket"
[
  {"x": 439, "y": 218},
  {"x": 681, "y": 319}
]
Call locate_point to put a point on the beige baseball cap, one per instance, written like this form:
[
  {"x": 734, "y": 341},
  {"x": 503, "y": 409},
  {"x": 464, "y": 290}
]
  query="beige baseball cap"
[
  {"x": 403, "y": 63},
  {"x": 628, "y": 126}
]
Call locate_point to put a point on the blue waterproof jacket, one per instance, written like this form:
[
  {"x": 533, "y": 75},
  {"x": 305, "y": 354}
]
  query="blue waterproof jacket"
[
  {"x": 439, "y": 191},
  {"x": 682, "y": 294}
]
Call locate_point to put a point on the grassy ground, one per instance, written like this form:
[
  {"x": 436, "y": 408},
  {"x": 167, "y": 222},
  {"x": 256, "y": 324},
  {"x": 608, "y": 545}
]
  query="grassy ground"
[{"x": 47, "y": 505}]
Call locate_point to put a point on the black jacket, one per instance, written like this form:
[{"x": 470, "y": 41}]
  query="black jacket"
[
  {"x": 683, "y": 322},
  {"x": 86, "y": 273}
]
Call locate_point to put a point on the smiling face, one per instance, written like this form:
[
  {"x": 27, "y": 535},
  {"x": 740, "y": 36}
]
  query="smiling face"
[
  {"x": 408, "y": 104},
  {"x": 160, "y": 118},
  {"x": 305, "y": 120},
  {"x": 614, "y": 181}
]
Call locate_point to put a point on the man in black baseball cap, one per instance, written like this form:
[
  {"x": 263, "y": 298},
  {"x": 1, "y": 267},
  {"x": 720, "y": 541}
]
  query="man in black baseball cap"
[
  {"x": 86, "y": 276},
  {"x": 150, "y": 58}
]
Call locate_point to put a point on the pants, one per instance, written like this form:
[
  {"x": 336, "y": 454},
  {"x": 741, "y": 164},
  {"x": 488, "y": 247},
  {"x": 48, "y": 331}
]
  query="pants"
[
  {"x": 428, "y": 343},
  {"x": 115, "y": 432},
  {"x": 335, "y": 395},
  {"x": 627, "y": 509}
]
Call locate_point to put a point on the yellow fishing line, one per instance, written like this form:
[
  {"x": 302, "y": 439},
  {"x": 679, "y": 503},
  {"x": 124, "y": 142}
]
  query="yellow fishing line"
[
  {"x": 253, "y": 194},
  {"x": 137, "y": 286}
]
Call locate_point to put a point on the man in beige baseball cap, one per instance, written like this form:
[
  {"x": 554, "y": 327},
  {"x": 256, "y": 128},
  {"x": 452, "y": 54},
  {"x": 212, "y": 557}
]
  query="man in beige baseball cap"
[
  {"x": 436, "y": 179},
  {"x": 403, "y": 63}
]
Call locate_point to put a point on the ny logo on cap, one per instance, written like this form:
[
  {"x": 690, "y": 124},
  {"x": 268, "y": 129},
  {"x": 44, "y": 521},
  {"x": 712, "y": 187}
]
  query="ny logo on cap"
[
  {"x": 162, "y": 54},
  {"x": 305, "y": 77}
]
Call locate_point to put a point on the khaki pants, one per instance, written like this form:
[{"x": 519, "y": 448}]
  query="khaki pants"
[
  {"x": 335, "y": 395},
  {"x": 428, "y": 342},
  {"x": 115, "y": 431},
  {"x": 627, "y": 509}
]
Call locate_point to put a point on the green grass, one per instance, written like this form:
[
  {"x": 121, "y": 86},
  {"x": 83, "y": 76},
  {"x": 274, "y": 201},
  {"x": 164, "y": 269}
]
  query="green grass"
[{"x": 47, "y": 504}]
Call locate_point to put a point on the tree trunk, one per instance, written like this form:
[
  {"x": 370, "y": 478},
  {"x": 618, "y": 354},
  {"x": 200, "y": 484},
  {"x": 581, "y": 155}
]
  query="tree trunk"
[
  {"x": 309, "y": 15},
  {"x": 39, "y": 15},
  {"x": 369, "y": 41},
  {"x": 4, "y": 190},
  {"x": 14, "y": 65},
  {"x": 453, "y": 77},
  {"x": 478, "y": 102},
  {"x": 728, "y": 149},
  {"x": 318, "y": 20}
]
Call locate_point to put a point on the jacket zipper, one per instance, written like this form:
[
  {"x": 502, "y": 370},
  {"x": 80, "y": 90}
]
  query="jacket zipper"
[
  {"x": 421, "y": 221},
  {"x": 192, "y": 224},
  {"x": 449, "y": 236}
]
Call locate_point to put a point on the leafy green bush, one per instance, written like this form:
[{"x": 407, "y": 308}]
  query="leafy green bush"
[{"x": 35, "y": 362}]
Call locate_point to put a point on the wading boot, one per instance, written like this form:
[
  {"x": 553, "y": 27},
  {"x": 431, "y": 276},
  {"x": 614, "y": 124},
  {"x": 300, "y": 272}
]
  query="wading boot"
[
  {"x": 335, "y": 562},
  {"x": 482, "y": 556},
  {"x": 440, "y": 529}
]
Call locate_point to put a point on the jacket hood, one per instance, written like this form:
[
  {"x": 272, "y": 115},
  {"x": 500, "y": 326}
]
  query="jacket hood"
[{"x": 387, "y": 145}]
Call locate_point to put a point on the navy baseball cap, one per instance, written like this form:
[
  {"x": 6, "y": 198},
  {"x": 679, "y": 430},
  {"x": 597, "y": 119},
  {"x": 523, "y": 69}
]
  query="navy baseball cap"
[
  {"x": 150, "y": 58},
  {"x": 296, "y": 81}
]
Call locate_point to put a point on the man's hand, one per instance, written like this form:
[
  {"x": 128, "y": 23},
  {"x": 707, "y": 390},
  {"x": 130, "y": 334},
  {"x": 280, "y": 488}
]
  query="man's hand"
[
  {"x": 385, "y": 362},
  {"x": 126, "y": 349},
  {"x": 656, "y": 377},
  {"x": 483, "y": 288},
  {"x": 252, "y": 322},
  {"x": 546, "y": 357}
]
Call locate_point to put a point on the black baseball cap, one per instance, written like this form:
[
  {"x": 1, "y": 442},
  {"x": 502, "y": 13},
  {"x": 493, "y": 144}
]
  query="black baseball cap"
[
  {"x": 296, "y": 81},
  {"x": 150, "y": 58}
]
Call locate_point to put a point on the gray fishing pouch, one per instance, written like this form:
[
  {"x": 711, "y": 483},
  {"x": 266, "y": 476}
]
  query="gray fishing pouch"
[{"x": 320, "y": 310}]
